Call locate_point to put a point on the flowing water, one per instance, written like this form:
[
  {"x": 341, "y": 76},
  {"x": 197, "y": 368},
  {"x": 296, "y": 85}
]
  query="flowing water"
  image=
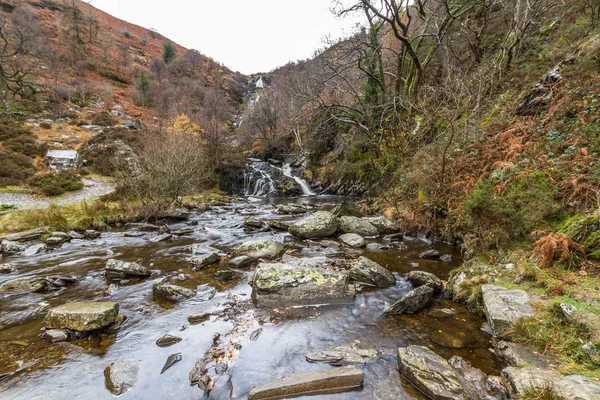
[{"x": 41, "y": 370}]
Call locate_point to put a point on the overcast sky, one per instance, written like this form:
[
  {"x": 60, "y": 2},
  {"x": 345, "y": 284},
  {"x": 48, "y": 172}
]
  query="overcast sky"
[{"x": 246, "y": 35}]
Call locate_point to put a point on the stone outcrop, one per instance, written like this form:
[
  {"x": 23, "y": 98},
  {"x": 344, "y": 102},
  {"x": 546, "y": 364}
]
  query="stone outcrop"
[
  {"x": 368, "y": 271},
  {"x": 317, "y": 225},
  {"x": 504, "y": 307},
  {"x": 516, "y": 355},
  {"x": 520, "y": 381},
  {"x": 82, "y": 316},
  {"x": 335, "y": 380},
  {"x": 276, "y": 285}
]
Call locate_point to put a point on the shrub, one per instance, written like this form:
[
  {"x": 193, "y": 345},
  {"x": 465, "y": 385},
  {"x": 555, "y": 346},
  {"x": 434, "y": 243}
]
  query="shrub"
[
  {"x": 25, "y": 144},
  {"x": 169, "y": 52},
  {"x": 127, "y": 34},
  {"x": 555, "y": 247},
  {"x": 16, "y": 168},
  {"x": 56, "y": 184},
  {"x": 104, "y": 119}
]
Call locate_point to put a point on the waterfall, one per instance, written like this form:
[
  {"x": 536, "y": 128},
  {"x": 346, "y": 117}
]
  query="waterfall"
[
  {"x": 306, "y": 190},
  {"x": 257, "y": 181}
]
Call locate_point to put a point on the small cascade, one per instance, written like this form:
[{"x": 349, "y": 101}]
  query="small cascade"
[
  {"x": 257, "y": 181},
  {"x": 306, "y": 190}
]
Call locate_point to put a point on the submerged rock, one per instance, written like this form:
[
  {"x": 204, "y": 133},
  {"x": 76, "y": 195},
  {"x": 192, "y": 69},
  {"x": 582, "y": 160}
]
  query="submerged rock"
[
  {"x": 57, "y": 238},
  {"x": 168, "y": 340},
  {"x": 276, "y": 285},
  {"x": 429, "y": 373},
  {"x": 240, "y": 261},
  {"x": 384, "y": 226},
  {"x": 195, "y": 319},
  {"x": 367, "y": 271},
  {"x": 319, "y": 224},
  {"x": 291, "y": 209},
  {"x": 353, "y": 240},
  {"x": 413, "y": 302},
  {"x": 172, "y": 292},
  {"x": 265, "y": 249},
  {"x": 36, "y": 249},
  {"x": 422, "y": 278},
  {"x": 56, "y": 335},
  {"x": 204, "y": 260},
  {"x": 335, "y": 380},
  {"x": 82, "y": 316},
  {"x": 32, "y": 284},
  {"x": 161, "y": 238},
  {"x": 117, "y": 269},
  {"x": 356, "y": 225},
  {"x": 343, "y": 355},
  {"x": 279, "y": 225},
  {"x": 475, "y": 383},
  {"x": 120, "y": 376},
  {"x": 430, "y": 255},
  {"x": 504, "y": 307},
  {"x": 91, "y": 234}
]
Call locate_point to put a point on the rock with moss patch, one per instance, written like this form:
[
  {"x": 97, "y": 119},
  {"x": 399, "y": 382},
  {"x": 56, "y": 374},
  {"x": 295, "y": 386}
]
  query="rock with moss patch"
[
  {"x": 82, "y": 316},
  {"x": 172, "y": 293},
  {"x": 33, "y": 284},
  {"x": 356, "y": 225},
  {"x": 265, "y": 249},
  {"x": 516, "y": 355},
  {"x": 429, "y": 373},
  {"x": 204, "y": 260},
  {"x": 317, "y": 225},
  {"x": 384, "y": 226},
  {"x": 276, "y": 285},
  {"x": 353, "y": 240},
  {"x": 368, "y": 271}
]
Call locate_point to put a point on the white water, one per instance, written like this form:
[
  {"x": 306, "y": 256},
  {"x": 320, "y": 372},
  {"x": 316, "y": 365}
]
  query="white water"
[{"x": 306, "y": 190}]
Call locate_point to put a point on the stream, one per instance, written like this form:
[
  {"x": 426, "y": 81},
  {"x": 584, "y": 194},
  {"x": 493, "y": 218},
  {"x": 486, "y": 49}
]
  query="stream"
[{"x": 41, "y": 370}]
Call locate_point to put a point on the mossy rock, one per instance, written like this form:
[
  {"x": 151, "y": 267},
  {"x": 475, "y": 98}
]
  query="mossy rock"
[{"x": 585, "y": 230}]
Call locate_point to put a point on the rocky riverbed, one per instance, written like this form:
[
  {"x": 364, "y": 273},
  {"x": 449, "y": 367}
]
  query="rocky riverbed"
[{"x": 186, "y": 311}]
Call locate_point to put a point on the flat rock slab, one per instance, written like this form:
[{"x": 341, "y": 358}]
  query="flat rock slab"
[
  {"x": 278, "y": 284},
  {"x": 329, "y": 381},
  {"x": 117, "y": 269},
  {"x": 343, "y": 355},
  {"x": 82, "y": 316},
  {"x": 430, "y": 373},
  {"x": 503, "y": 307},
  {"x": 25, "y": 236}
]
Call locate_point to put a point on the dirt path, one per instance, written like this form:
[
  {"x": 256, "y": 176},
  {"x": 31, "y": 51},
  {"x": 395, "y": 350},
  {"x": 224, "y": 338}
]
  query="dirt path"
[{"x": 93, "y": 187}]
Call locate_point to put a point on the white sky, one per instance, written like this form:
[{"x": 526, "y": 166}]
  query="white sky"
[{"x": 246, "y": 35}]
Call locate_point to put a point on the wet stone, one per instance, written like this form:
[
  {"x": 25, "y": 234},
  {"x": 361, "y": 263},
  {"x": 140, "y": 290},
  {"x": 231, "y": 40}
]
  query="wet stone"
[
  {"x": 168, "y": 340},
  {"x": 414, "y": 301},
  {"x": 56, "y": 335},
  {"x": 317, "y": 225},
  {"x": 10, "y": 248},
  {"x": 254, "y": 335},
  {"x": 7, "y": 269},
  {"x": 475, "y": 383},
  {"x": 76, "y": 235},
  {"x": 133, "y": 234},
  {"x": 24, "y": 236},
  {"x": 172, "y": 293},
  {"x": 265, "y": 249},
  {"x": 383, "y": 225},
  {"x": 335, "y": 380},
  {"x": 351, "y": 354},
  {"x": 204, "y": 260},
  {"x": 91, "y": 234},
  {"x": 195, "y": 319},
  {"x": 183, "y": 231},
  {"x": 120, "y": 376},
  {"x": 36, "y": 249},
  {"x": 367, "y": 271},
  {"x": 279, "y": 225},
  {"x": 57, "y": 238},
  {"x": 82, "y": 316},
  {"x": 356, "y": 225},
  {"x": 117, "y": 269},
  {"x": 430, "y": 255},
  {"x": 516, "y": 355},
  {"x": 161, "y": 238},
  {"x": 504, "y": 307},
  {"x": 422, "y": 278},
  {"x": 25, "y": 285},
  {"x": 240, "y": 261},
  {"x": 172, "y": 360},
  {"x": 352, "y": 240}
]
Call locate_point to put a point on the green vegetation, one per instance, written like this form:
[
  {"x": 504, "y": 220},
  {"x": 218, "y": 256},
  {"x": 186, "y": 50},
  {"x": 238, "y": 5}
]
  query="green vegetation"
[
  {"x": 104, "y": 119},
  {"x": 57, "y": 184},
  {"x": 169, "y": 52}
]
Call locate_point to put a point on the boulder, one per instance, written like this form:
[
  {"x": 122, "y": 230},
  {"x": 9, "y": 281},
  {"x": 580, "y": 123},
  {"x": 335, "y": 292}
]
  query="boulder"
[
  {"x": 516, "y": 355},
  {"x": 319, "y": 224},
  {"x": 422, "y": 278},
  {"x": 199, "y": 249},
  {"x": 446, "y": 258},
  {"x": 172, "y": 293},
  {"x": 519, "y": 381},
  {"x": 430, "y": 373},
  {"x": 353, "y": 240},
  {"x": 276, "y": 285},
  {"x": 384, "y": 226},
  {"x": 475, "y": 383},
  {"x": 430, "y": 255},
  {"x": 179, "y": 214},
  {"x": 82, "y": 316},
  {"x": 291, "y": 209},
  {"x": 568, "y": 311},
  {"x": 91, "y": 234},
  {"x": 357, "y": 225},
  {"x": 120, "y": 376},
  {"x": 346, "y": 209},
  {"x": 57, "y": 238},
  {"x": 265, "y": 249},
  {"x": 367, "y": 271},
  {"x": 7, "y": 269},
  {"x": 504, "y": 307},
  {"x": 24, "y": 236},
  {"x": 168, "y": 340},
  {"x": 10, "y": 248},
  {"x": 413, "y": 302},
  {"x": 117, "y": 269},
  {"x": 335, "y": 380},
  {"x": 204, "y": 260},
  {"x": 36, "y": 249},
  {"x": 240, "y": 261},
  {"x": 19, "y": 286}
]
